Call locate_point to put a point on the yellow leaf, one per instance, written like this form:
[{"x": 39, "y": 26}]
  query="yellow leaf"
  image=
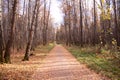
[{"x": 103, "y": 1}]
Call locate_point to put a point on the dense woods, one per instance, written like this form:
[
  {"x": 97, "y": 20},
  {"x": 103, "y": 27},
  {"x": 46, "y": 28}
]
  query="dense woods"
[
  {"x": 95, "y": 23},
  {"x": 25, "y": 24}
]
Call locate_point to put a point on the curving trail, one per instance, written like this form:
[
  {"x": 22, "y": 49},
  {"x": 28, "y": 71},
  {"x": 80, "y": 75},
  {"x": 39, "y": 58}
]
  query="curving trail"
[{"x": 61, "y": 65}]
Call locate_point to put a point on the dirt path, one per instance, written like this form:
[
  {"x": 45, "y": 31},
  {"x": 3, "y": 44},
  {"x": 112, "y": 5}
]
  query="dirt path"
[{"x": 61, "y": 65}]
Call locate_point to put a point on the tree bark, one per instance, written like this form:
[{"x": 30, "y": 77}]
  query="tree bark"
[
  {"x": 11, "y": 36},
  {"x": 44, "y": 28},
  {"x": 81, "y": 25},
  {"x": 1, "y": 36},
  {"x": 94, "y": 31},
  {"x": 119, "y": 20},
  {"x": 31, "y": 34}
]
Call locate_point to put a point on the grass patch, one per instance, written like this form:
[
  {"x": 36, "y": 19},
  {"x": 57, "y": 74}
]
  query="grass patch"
[
  {"x": 45, "y": 49},
  {"x": 23, "y": 70},
  {"x": 101, "y": 63}
]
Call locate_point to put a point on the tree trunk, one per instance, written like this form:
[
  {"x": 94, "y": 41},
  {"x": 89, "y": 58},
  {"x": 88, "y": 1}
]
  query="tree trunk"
[
  {"x": 11, "y": 36},
  {"x": 35, "y": 39},
  {"x": 94, "y": 31},
  {"x": 118, "y": 9},
  {"x": 28, "y": 48},
  {"x": 74, "y": 23},
  {"x": 48, "y": 17},
  {"x": 81, "y": 25},
  {"x": 31, "y": 34},
  {"x": 1, "y": 44},
  {"x": 65, "y": 24},
  {"x": 44, "y": 28},
  {"x": 116, "y": 23},
  {"x": 1, "y": 35}
]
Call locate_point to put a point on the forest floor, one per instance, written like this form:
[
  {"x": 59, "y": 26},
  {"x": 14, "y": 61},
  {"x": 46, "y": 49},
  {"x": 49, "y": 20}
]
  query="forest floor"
[
  {"x": 23, "y": 70},
  {"x": 60, "y": 64}
]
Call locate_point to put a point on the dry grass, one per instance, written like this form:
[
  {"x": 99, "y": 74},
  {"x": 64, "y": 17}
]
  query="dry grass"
[{"x": 23, "y": 70}]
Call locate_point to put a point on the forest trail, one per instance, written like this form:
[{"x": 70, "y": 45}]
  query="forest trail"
[{"x": 59, "y": 64}]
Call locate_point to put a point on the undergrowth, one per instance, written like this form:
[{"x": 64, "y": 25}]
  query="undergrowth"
[{"x": 103, "y": 62}]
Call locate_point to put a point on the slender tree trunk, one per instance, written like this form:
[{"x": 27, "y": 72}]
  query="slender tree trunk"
[
  {"x": 27, "y": 52},
  {"x": 31, "y": 35},
  {"x": 86, "y": 25},
  {"x": 44, "y": 28},
  {"x": 119, "y": 20},
  {"x": 94, "y": 31},
  {"x": 81, "y": 25},
  {"x": 1, "y": 35},
  {"x": 66, "y": 34},
  {"x": 1, "y": 44},
  {"x": 11, "y": 36},
  {"x": 116, "y": 22},
  {"x": 35, "y": 39},
  {"x": 75, "y": 23},
  {"x": 48, "y": 16},
  {"x": 69, "y": 23}
]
